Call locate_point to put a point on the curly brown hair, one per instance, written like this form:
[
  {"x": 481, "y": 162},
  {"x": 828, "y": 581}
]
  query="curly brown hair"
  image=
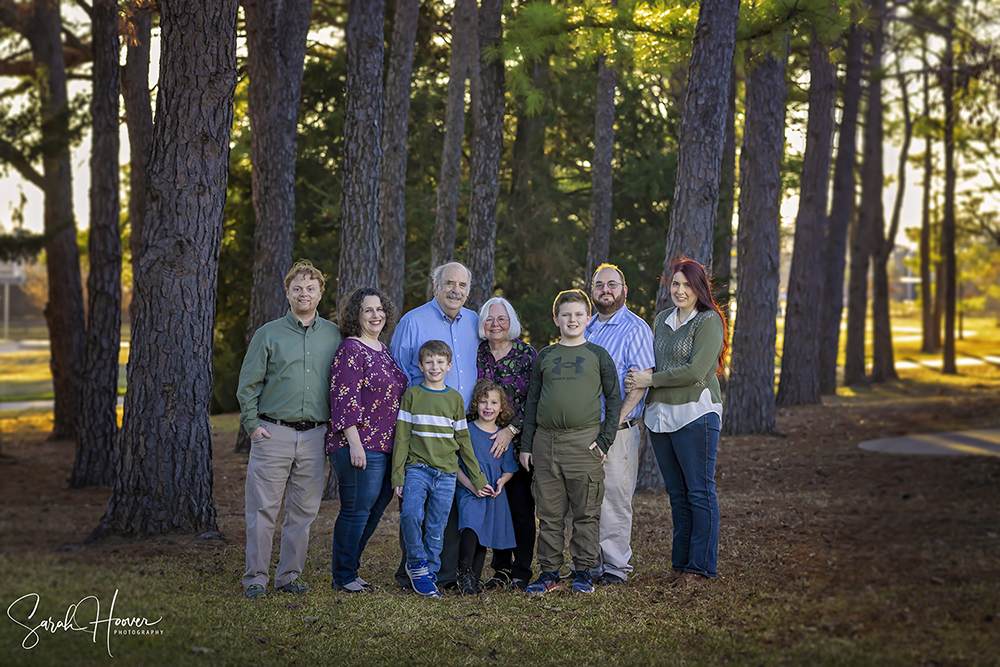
[
  {"x": 483, "y": 387},
  {"x": 350, "y": 314}
]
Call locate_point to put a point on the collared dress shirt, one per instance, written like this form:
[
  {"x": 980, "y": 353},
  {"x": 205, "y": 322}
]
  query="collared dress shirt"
[
  {"x": 428, "y": 322},
  {"x": 286, "y": 372},
  {"x": 629, "y": 341}
]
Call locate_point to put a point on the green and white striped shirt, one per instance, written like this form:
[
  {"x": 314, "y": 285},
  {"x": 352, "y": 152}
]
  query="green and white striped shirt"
[{"x": 431, "y": 429}]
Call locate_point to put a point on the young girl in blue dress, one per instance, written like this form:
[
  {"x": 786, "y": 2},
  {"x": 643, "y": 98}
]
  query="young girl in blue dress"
[{"x": 484, "y": 518}]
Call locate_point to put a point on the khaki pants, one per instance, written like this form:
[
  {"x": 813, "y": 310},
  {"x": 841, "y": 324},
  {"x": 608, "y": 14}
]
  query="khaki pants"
[
  {"x": 622, "y": 469},
  {"x": 569, "y": 479},
  {"x": 291, "y": 464}
]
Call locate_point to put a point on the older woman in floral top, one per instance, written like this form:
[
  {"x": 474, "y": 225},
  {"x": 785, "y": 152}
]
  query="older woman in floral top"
[
  {"x": 507, "y": 360},
  {"x": 365, "y": 388}
]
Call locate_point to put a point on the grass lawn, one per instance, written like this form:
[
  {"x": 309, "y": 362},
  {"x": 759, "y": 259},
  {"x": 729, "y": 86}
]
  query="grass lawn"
[{"x": 828, "y": 555}]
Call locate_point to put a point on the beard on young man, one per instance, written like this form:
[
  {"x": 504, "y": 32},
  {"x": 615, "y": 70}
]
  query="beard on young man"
[{"x": 609, "y": 307}]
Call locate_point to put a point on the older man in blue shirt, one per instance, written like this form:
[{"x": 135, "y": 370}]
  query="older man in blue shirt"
[{"x": 442, "y": 318}]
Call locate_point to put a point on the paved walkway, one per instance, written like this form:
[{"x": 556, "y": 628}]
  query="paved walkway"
[
  {"x": 983, "y": 443},
  {"x": 37, "y": 405}
]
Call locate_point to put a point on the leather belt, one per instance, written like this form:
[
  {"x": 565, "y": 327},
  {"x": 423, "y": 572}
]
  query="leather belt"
[
  {"x": 628, "y": 424},
  {"x": 298, "y": 426}
]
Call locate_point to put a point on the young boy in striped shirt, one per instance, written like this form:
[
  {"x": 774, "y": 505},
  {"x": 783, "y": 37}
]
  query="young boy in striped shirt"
[{"x": 430, "y": 434}]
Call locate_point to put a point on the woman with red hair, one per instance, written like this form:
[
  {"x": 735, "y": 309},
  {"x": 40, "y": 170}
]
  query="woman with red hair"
[{"x": 684, "y": 416}]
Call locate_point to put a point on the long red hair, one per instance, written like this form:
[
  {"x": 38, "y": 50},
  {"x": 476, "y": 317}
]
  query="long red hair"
[{"x": 698, "y": 277}]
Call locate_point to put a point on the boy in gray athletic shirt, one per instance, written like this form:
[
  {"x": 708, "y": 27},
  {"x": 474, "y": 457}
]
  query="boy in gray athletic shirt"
[{"x": 567, "y": 444}]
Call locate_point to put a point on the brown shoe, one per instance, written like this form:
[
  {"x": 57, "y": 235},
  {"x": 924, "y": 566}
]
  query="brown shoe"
[
  {"x": 674, "y": 577},
  {"x": 692, "y": 580}
]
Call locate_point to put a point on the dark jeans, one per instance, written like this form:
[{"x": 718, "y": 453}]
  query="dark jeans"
[
  {"x": 364, "y": 495},
  {"x": 516, "y": 562},
  {"x": 449, "y": 553},
  {"x": 687, "y": 461}
]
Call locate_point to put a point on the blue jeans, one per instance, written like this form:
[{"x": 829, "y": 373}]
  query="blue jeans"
[
  {"x": 428, "y": 495},
  {"x": 687, "y": 461},
  {"x": 364, "y": 495}
]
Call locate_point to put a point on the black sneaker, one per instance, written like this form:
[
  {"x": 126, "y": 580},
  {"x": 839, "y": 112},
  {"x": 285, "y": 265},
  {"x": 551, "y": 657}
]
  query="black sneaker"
[
  {"x": 609, "y": 579},
  {"x": 467, "y": 581},
  {"x": 500, "y": 581}
]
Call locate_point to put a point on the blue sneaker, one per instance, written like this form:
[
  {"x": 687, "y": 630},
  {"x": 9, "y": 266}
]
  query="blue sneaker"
[
  {"x": 422, "y": 580},
  {"x": 583, "y": 582},
  {"x": 547, "y": 581}
]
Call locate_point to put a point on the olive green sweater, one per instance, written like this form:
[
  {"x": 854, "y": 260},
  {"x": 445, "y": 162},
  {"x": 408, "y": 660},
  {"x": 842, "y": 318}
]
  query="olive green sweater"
[{"x": 686, "y": 359}]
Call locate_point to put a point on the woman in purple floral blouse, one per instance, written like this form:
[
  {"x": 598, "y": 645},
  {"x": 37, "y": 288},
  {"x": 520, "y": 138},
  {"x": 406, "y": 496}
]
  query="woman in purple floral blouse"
[
  {"x": 507, "y": 360},
  {"x": 365, "y": 388}
]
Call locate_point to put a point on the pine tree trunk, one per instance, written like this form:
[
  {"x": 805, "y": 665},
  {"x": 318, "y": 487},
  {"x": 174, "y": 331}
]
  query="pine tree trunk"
[
  {"x": 486, "y": 155},
  {"x": 948, "y": 219},
  {"x": 276, "y": 49},
  {"x": 599, "y": 243},
  {"x": 446, "y": 216},
  {"x": 164, "y": 468},
  {"x": 95, "y": 447},
  {"x": 649, "y": 477},
  {"x": 750, "y": 397},
  {"x": 926, "y": 298},
  {"x": 359, "y": 195},
  {"x": 939, "y": 288},
  {"x": 799, "y": 384},
  {"x": 139, "y": 122},
  {"x": 722, "y": 243},
  {"x": 883, "y": 362},
  {"x": 64, "y": 311},
  {"x": 702, "y": 135},
  {"x": 392, "y": 229},
  {"x": 842, "y": 207},
  {"x": 331, "y": 489},
  {"x": 870, "y": 213}
]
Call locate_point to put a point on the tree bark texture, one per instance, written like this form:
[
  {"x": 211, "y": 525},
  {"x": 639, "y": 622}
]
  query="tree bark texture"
[
  {"x": 702, "y": 135},
  {"x": 883, "y": 363},
  {"x": 722, "y": 241},
  {"x": 95, "y": 446},
  {"x": 842, "y": 207},
  {"x": 870, "y": 212},
  {"x": 927, "y": 344},
  {"x": 750, "y": 397},
  {"x": 463, "y": 24},
  {"x": 359, "y": 196},
  {"x": 948, "y": 219},
  {"x": 276, "y": 49},
  {"x": 392, "y": 229},
  {"x": 599, "y": 243},
  {"x": 799, "y": 383},
  {"x": 138, "y": 120},
  {"x": 486, "y": 154},
  {"x": 41, "y": 24},
  {"x": 164, "y": 469}
]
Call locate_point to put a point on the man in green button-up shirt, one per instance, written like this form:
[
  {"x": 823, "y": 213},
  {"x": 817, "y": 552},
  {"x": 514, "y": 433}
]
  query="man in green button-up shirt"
[{"x": 284, "y": 396}]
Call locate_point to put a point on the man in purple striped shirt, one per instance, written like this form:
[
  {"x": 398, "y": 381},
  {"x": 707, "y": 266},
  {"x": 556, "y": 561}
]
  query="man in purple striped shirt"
[{"x": 629, "y": 341}]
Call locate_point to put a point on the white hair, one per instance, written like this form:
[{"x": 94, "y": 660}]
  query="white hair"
[
  {"x": 514, "y": 331},
  {"x": 438, "y": 270}
]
